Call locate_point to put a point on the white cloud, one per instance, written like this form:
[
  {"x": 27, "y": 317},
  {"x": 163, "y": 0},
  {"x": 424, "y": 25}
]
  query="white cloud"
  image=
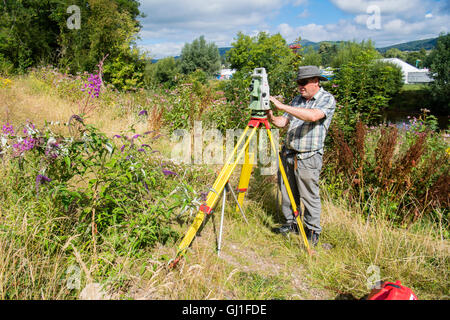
[
  {"x": 172, "y": 23},
  {"x": 181, "y": 21},
  {"x": 393, "y": 30},
  {"x": 163, "y": 49},
  {"x": 304, "y": 14}
]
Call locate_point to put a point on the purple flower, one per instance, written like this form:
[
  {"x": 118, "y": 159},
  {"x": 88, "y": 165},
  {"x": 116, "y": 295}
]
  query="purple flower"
[
  {"x": 148, "y": 132},
  {"x": 168, "y": 173},
  {"x": 76, "y": 117},
  {"x": 93, "y": 85},
  {"x": 26, "y": 144},
  {"x": 136, "y": 136},
  {"x": 141, "y": 150},
  {"x": 156, "y": 137},
  {"x": 143, "y": 113},
  {"x": 8, "y": 129},
  {"x": 117, "y": 136},
  {"x": 146, "y": 145},
  {"x": 40, "y": 179},
  {"x": 122, "y": 148}
]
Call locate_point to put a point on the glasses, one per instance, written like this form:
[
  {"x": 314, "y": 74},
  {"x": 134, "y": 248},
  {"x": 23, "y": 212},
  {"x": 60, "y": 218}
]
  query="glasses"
[{"x": 303, "y": 82}]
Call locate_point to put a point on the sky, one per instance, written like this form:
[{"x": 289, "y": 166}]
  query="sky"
[{"x": 169, "y": 24}]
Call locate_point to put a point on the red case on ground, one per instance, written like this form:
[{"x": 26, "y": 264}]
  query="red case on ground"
[{"x": 392, "y": 291}]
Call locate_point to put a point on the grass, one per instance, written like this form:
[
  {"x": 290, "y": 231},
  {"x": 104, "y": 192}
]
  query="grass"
[{"x": 39, "y": 261}]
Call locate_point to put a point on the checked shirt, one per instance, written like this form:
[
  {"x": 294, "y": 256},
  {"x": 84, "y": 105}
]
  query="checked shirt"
[{"x": 307, "y": 138}]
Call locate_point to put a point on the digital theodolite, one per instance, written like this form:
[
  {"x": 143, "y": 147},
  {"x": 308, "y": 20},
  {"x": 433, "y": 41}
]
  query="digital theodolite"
[{"x": 259, "y": 93}]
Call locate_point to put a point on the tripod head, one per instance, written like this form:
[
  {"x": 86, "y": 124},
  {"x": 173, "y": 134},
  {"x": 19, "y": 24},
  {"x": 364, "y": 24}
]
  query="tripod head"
[{"x": 259, "y": 93}]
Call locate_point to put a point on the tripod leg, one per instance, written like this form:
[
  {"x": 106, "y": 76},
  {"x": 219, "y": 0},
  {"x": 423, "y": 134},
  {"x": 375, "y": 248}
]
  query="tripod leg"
[
  {"x": 213, "y": 195},
  {"x": 289, "y": 191},
  {"x": 239, "y": 208},
  {"x": 221, "y": 222},
  {"x": 244, "y": 180}
]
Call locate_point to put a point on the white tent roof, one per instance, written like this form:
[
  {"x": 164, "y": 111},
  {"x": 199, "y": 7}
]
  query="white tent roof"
[{"x": 406, "y": 67}]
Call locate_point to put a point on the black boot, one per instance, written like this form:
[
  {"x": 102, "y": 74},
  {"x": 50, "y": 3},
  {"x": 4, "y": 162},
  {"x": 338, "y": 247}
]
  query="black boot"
[
  {"x": 312, "y": 236},
  {"x": 288, "y": 227}
]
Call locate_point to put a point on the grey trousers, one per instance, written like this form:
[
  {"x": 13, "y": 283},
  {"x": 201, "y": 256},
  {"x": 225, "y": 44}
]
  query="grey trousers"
[{"x": 304, "y": 183}]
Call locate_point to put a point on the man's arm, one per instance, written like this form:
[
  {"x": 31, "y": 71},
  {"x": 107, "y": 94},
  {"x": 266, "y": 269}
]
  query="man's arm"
[{"x": 310, "y": 115}]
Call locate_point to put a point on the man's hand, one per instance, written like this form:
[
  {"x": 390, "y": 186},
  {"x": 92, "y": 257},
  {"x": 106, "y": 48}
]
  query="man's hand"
[{"x": 277, "y": 104}]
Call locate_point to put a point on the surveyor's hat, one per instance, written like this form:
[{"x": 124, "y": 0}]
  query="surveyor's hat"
[{"x": 306, "y": 72}]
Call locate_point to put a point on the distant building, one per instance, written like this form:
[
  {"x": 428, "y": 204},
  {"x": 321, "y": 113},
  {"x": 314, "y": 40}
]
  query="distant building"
[
  {"x": 327, "y": 73},
  {"x": 411, "y": 74},
  {"x": 226, "y": 74}
]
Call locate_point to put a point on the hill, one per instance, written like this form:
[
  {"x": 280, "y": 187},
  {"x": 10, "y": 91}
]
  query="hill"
[
  {"x": 416, "y": 45},
  {"x": 426, "y": 44}
]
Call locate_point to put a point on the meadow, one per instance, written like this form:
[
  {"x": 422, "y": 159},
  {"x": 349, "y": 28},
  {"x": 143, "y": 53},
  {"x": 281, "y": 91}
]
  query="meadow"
[{"x": 92, "y": 206}]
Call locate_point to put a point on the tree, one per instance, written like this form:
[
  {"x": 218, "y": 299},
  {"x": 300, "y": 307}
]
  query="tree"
[
  {"x": 440, "y": 71},
  {"x": 164, "y": 71},
  {"x": 36, "y": 32},
  {"x": 351, "y": 51},
  {"x": 200, "y": 55},
  {"x": 395, "y": 53},
  {"x": 311, "y": 57},
  {"x": 262, "y": 51},
  {"x": 265, "y": 51},
  {"x": 327, "y": 51},
  {"x": 363, "y": 86},
  {"x": 28, "y": 34}
]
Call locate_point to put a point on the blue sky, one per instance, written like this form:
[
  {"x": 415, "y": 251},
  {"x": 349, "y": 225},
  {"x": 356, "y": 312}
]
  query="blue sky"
[{"x": 170, "y": 24}]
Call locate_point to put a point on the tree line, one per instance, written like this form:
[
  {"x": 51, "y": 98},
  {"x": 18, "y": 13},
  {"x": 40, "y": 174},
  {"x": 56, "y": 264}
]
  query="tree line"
[{"x": 36, "y": 32}]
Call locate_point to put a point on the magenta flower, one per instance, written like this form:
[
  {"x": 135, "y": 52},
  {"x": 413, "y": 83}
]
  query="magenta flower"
[
  {"x": 26, "y": 144},
  {"x": 93, "y": 85},
  {"x": 8, "y": 129}
]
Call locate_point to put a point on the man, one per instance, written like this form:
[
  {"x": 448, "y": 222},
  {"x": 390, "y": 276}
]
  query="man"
[{"x": 309, "y": 117}]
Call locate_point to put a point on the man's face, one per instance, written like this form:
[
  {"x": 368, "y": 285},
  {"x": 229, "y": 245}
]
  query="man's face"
[{"x": 308, "y": 87}]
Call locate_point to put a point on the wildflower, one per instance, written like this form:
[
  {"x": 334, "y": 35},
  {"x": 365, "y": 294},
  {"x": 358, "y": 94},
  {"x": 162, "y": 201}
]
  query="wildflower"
[
  {"x": 122, "y": 148},
  {"x": 117, "y": 136},
  {"x": 52, "y": 149},
  {"x": 168, "y": 173},
  {"x": 141, "y": 150},
  {"x": 76, "y": 117},
  {"x": 146, "y": 145},
  {"x": 93, "y": 85},
  {"x": 40, "y": 179},
  {"x": 24, "y": 145},
  {"x": 136, "y": 136},
  {"x": 143, "y": 113},
  {"x": 8, "y": 129}
]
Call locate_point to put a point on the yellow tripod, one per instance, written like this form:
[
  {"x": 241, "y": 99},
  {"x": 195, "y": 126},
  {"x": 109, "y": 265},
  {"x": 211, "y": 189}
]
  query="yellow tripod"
[{"x": 222, "y": 180}]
